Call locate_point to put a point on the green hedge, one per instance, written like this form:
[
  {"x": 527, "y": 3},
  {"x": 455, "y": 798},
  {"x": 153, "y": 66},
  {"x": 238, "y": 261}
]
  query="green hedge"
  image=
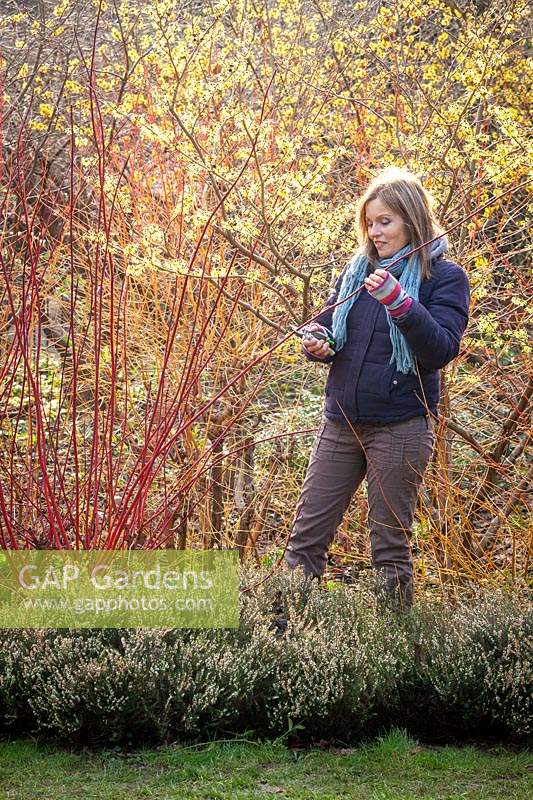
[{"x": 339, "y": 671}]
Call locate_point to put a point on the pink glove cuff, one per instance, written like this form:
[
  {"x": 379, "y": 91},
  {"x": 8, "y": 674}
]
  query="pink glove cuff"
[
  {"x": 391, "y": 296},
  {"x": 403, "y": 308}
]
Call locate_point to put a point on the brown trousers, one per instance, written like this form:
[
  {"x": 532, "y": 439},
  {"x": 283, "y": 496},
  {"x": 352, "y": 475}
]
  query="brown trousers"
[{"x": 393, "y": 457}]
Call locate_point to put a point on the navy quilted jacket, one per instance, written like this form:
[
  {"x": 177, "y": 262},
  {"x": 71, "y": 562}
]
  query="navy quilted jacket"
[{"x": 361, "y": 381}]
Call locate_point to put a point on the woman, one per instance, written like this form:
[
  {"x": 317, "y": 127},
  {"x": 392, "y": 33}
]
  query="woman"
[{"x": 391, "y": 339}]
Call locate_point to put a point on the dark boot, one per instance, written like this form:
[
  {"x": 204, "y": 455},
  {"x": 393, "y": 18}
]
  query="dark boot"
[
  {"x": 302, "y": 584},
  {"x": 392, "y": 594}
]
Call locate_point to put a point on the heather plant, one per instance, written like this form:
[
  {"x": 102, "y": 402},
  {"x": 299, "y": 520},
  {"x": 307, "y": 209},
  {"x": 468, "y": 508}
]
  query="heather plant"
[
  {"x": 339, "y": 671},
  {"x": 474, "y": 664},
  {"x": 14, "y": 653},
  {"x": 79, "y": 683}
]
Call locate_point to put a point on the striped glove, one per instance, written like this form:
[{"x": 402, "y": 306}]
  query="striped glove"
[{"x": 392, "y": 296}]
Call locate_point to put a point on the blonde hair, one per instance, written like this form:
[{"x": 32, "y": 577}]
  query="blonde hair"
[{"x": 404, "y": 194}]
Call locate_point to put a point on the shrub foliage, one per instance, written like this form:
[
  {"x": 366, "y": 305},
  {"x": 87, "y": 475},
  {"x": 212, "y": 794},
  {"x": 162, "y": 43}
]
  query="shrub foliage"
[{"x": 339, "y": 671}]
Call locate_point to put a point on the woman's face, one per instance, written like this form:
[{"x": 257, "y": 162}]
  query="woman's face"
[{"x": 385, "y": 228}]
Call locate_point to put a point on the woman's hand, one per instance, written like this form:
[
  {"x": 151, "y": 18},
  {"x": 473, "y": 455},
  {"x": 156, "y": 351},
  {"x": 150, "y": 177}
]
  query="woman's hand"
[
  {"x": 317, "y": 347},
  {"x": 383, "y": 286},
  {"x": 376, "y": 279}
]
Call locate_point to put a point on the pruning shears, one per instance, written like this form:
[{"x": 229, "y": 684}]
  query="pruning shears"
[{"x": 307, "y": 333}]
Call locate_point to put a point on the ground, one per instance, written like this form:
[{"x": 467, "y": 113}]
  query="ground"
[{"x": 393, "y": 768}]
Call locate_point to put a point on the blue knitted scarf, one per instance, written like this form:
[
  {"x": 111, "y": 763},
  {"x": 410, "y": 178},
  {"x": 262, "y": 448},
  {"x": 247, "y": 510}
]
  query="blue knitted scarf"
[{"x": 409, "y": 279}]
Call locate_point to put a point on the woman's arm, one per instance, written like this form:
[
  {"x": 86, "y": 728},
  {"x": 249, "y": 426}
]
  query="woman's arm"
[{"x": 434, "y": 332}]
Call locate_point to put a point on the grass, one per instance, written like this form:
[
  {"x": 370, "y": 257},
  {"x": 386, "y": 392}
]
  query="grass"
[{"x": 392, "y": 768}]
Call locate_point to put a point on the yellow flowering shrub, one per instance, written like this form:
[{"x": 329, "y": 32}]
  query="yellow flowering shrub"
[{"x": 220, "y": 148}]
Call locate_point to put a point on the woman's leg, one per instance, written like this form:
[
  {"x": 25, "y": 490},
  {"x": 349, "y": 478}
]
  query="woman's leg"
[
  {"x": 397, "y": 456},
  {"x": 336, "y": 468}
]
